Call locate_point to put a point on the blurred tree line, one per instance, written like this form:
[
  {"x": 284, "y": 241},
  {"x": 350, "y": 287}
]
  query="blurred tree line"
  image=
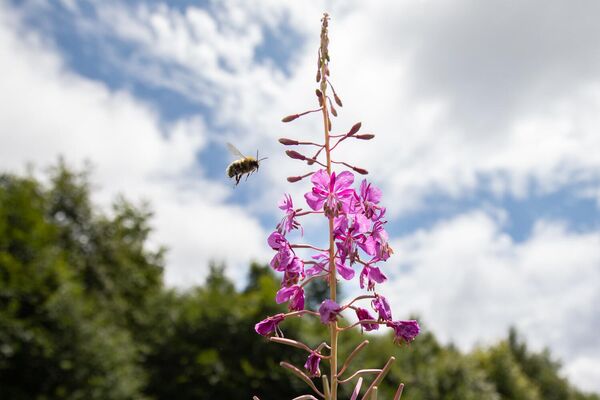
[{"x": 84, "y": 315}]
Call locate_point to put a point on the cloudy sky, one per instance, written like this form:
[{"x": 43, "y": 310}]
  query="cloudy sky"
[{"x": 487, "y": 116}]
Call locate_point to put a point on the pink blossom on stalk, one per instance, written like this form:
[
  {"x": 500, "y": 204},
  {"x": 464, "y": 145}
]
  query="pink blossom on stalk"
[
  {"x": 372, "y": 275},
  {"x": 329, "y": 310},
  {"x": 289, "y": 221},
  {"x": 333, "y": 194},
  {"x": 362, "y": 315},
  {"x": 380, "y": 237},
  {"x": 369, "y": 198},
  {"x": 269, "y": 325},
  {"x": 284, "y": 255},
  {"x": 323, "y": 263},
  {"x": 349, "y": 232},
  {"x": 293, "y": 294},
  {"x": 294, "y": 272},
  {"x": 312, "y": 365},
  {"x": 276, "y": 240},
  {"x": 404, "y": 331},
  {"x": 382, "y": 307}
]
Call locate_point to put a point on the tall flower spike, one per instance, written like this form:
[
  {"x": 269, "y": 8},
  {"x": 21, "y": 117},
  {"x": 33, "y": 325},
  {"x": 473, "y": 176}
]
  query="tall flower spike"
[{"x": 356, "y": 236}]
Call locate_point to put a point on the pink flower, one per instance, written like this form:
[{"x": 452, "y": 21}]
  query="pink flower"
[
  {"x": 269, "y": 325},
  {"x": 329, "y": 310},
  {"x": 363, "y": 315},
  {"x": 284, "y": 255},
  {"x": 293, "y": 294},
  {"x": 382, "y": 307},
  {"x": 289, "y": 221},
  {"x": 323, "y": 265},
  {"x": 276, "y": 240},
  {"x": 369, "y": 198},
  {"x": 312, "y": 365},
  {"x": 349, "y": 234},
  {"x": 404, "y": 331},
  {"x": 293, "y": 273},
  {"x": 380, "y": 237},
  {"x": 333, "y": 194},
  {"x": 372, "y": 275}
]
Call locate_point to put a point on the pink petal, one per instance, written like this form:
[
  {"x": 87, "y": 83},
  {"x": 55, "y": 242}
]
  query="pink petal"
[
  {"x": 368, "y": 246},
  {"x": 343, "y": 180},
  {"x": 320, "y": 179},
  {"x": 376, "y": 275},
  {"x": 361, "y": 223},
  {"x": 314, "y": 201},
  {"x": 346, "y": 272},
  {"x": 284, "y": 294}
]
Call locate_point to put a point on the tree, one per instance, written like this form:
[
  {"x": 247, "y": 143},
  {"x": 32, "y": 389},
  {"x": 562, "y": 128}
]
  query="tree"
[{"x": 73, "y": 284}]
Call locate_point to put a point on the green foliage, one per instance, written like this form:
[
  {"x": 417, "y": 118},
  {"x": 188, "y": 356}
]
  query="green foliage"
[
  {"x": 57, "y": 340},
  {"x": 84, "y": 315}
]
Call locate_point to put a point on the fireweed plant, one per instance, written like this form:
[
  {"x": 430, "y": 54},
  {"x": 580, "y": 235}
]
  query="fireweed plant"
[{"x": 357, "y": 239}]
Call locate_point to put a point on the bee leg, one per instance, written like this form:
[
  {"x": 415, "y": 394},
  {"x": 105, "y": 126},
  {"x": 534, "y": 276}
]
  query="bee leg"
[
  {"x": 237, "y": 179},
  {"x": 247, "y": 176}
]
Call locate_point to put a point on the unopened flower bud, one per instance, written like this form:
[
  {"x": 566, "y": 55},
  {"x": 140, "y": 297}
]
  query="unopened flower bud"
[
  {"x": 361, "y": 171},
  {"x": 337, "y": 100},
  {"x": 290, "y": 118},
  {"x": 288, "y": 142},
  {"x": 293, "y": 179},
  {"x": 318, "y": 75},
  {"x": 366, "y": 136},
  {"x": 295, "y": 155},
  {"x": 333, "y": 111},
  {"x": 319, "y": 96},
  {"x": 355, "y": 128}
]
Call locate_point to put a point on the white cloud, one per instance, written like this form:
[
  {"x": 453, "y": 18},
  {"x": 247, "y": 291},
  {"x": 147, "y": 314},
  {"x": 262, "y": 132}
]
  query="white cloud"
[
  {"x": 470, "y": 281},
  {"x": 48, "y": 111},
  {"x": 455, "y": 93}
]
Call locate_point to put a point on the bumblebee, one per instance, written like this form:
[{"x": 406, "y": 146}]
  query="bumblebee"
[{"x": 243, "y": 165}]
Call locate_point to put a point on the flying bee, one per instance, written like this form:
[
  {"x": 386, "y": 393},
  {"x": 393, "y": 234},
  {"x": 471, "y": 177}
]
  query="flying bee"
[{"x": 243, "y": 165}]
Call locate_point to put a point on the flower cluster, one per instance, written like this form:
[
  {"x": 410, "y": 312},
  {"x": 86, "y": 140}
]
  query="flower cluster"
[{"x": 360, "y": 241}]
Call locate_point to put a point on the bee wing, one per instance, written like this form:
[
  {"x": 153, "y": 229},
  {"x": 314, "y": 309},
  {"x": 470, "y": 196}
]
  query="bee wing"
[{"x": 235, "y": 151}]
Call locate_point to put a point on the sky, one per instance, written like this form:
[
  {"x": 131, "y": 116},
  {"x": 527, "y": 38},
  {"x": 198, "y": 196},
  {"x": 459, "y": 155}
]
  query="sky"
[{"x": 487, "y": 148}]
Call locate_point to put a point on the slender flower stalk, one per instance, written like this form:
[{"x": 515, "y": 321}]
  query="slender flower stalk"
[{"x": 356, "y": 238}]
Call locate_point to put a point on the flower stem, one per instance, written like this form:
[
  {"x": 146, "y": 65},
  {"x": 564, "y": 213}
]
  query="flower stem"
[{"x": 332, "y": 270}]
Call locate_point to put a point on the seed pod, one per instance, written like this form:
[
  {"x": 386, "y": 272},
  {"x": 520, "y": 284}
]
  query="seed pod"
[
  {"x": 361, "y": 171},
  {"x": 295, "y": 155},
  {"x": 355, "y": 128},
  {"x": 329, "y": 123},
  {"x": 366, "y": 136},
  {"x": 290, "y": 118},
  {"x": 288, "y": 142},
  {"x": 337, "y": 100},
  {"x": 293, "y": 179}
]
